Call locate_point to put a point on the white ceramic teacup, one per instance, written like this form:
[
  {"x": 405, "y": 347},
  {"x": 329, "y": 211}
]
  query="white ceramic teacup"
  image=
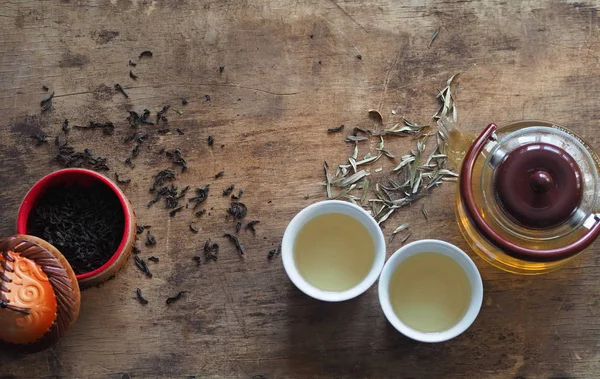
[
  {"x": 317, "y": 209},
  {"x": 459, "y": 256}
]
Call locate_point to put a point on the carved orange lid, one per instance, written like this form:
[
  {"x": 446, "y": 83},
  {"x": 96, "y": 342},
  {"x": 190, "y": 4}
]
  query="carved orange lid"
[{"x": 39, "y": 293}]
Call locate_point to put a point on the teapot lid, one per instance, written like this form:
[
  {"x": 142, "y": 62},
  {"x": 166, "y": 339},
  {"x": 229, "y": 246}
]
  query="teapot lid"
[{"x": 538, "y": 185}]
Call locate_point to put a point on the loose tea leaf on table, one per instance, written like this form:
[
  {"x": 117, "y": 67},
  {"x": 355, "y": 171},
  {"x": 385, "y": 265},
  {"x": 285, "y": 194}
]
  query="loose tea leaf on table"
[
  {"x": 210, "y": 250},
  {"x": 173, "y": 213},
  {"x": 238, "y": 196},
  {"x": 121, "y": 181},
  {"x": 237, "y": 210},
  {"x": 142, "y": 266},
  {"x": 140, "y": 297},
  {"x": 150, "y": 239},
  {"x": 173, "y": 299},
  {"x": 40, "y": 138},
  {"x": 238, "y": 246},
  {"x": 335, "y": 130},
  {"x": 145, "y": 53},
  {"x": 161, "y": 177},
  {"x": 274, "y": 252},
  {"x": 46, "y": 103},
  {"x": 120, "y": 88},
  {"x": 201, "y": 196},
  {"x": 250, "y": 225},
  {"x": 227, "y": 191}
]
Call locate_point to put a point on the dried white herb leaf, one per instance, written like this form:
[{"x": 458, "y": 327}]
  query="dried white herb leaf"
[
  {"x": 356, "y": 138},
  {"x": 400, "y": 228},
  {"x": 355, "y": 152},
  {"x": 327, "y": 178},
  {"x": 404, "y": 162},
  {"x": 352, "y": 163},
  {"x": 379, "y": 169},
  {"x": 365, "y": 188},
  {"x": 353, "y": 178},
  {"x": 417, "y": 183},
  {"x": 434, "y": 36},
  {"x": 405, "y": 238},
  {"x": 383, "y": 218},
  {"x": 425, "y": 213},
  {"x": 345, "y": 192},
  {"x": 375, "y": 116},
  {"x": 368, "y": 159},
  {"x": 446, "y": 172},
  {"x": 388, "y": 154}
]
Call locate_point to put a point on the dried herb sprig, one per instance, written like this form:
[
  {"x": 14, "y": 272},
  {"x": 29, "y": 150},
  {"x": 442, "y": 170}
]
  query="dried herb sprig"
[
  {"x": 416, "y": 172},
  {"x": 448, "y": 107}
]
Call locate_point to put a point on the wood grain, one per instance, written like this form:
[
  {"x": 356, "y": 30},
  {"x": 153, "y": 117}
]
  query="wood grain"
[{"x": 290, "y": 72}]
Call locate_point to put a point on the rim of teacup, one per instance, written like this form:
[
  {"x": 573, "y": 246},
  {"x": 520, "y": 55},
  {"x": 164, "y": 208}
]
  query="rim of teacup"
[
  {"x": 455, "y": 253},
  {"x": 317, "y": 209}
]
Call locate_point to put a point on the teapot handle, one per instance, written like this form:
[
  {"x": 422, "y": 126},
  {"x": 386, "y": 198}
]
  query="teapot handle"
[{"x": 508, "y": 247}]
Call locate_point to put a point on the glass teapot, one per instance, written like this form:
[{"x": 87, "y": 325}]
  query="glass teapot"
[{"x": 528, "y": 198}]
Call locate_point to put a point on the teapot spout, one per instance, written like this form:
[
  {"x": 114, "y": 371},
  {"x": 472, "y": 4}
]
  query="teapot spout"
[{"x": 457, "y": 142}]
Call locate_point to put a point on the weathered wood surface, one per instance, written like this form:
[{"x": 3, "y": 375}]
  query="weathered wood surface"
[{"x": 290, "y": 72}]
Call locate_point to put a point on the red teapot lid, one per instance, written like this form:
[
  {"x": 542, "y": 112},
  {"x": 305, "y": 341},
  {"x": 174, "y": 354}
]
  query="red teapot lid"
[{"x": 538, "y": 185}]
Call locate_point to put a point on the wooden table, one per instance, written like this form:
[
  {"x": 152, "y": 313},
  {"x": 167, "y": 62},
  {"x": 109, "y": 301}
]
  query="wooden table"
[{"x": 291, "y": 69}]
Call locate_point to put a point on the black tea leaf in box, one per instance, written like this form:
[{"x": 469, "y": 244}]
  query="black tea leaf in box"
[{"x": 85, "y": 222}]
